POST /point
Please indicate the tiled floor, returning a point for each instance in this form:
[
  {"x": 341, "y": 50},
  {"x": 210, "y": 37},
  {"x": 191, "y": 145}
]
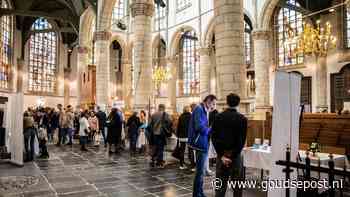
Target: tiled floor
[{"x": 72, "y": 173}]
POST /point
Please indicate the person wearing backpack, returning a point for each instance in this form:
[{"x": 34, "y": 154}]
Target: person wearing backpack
[{"x": 160, "y": 128}]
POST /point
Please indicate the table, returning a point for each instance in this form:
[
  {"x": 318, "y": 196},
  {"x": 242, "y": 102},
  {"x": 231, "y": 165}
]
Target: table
[{"x": 261, "y": 159}]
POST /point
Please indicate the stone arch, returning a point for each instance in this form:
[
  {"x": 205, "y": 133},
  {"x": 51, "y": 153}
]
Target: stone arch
[
  {"x": 208, "y": 33},
  {"x": 85, "y": 26},
  {"x": 174, "y": 43},
  {"x": 250, "y": 17},
  {"x": 105, "y": 15},
  {"x": 267, "y": 14},
  {"x": 122, "y": 43}
]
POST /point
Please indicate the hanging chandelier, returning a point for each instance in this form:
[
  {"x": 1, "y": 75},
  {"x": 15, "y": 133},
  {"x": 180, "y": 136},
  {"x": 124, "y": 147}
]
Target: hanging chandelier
[
  {"x": 311, "y": 41},
  {"x": 161, "y": 74}
]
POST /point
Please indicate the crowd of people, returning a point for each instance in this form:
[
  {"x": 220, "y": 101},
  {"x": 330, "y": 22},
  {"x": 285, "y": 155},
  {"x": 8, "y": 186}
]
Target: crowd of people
[{"x": 206, "y": 133}]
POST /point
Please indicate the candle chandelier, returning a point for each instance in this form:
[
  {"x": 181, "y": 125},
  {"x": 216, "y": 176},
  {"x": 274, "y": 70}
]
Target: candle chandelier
[
  {"x": 311, "y": 41},
  {"x": 161, "y": 74}
]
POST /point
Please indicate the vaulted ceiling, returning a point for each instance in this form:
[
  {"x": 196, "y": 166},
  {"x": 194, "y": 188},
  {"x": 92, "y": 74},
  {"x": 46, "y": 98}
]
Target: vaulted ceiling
[
  {"x": 315, "y": 5},
  {"x": 65, "y": 13}
]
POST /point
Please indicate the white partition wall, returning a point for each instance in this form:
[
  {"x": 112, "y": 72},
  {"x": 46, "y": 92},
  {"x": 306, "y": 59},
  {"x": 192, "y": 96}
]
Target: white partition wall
[
  {"x": 14, "y": 127},
  {"x": 285, "y": 125}
]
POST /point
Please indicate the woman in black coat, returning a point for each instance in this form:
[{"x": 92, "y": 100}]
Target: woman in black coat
[
  {"x": 133, "y": 125},
  {"x": 181, "y": 133},
  {"x": 115, "y": 125}
]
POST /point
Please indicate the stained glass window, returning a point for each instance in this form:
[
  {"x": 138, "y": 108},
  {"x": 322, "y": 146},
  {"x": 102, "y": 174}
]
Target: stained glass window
[
  {"x": 247, "y": 43},
  {"x": 285, "y": 18},
  {"x": 160, "y": 18},
  {"x": 182, "y": 4},
  {"x": 189, "y": 64},
  {"x": 42, "y": 57},
  {"x": 5, "y": 47},
  {"x": 118, "y": 13}
]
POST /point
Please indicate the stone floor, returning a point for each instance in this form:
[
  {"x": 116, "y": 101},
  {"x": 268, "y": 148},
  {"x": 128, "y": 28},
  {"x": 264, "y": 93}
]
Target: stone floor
[{"x": 72, "y": 173}]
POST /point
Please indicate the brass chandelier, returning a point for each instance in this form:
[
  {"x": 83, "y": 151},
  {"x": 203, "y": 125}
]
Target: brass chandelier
[{"x": 311, "y": 41}]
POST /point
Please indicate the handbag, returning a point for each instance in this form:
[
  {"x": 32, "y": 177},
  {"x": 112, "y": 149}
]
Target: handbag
[{"x": 177, "y": 152}]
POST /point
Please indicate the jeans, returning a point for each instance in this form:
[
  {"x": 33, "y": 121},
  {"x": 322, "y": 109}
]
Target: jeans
[
  {"x": 191, "y": 156},
  {"x": 29, "y": 136},
  {"x": 70, "y": 135},
  {"x": 224, "y": 173},
  {"x": 83, "y": 141},
  {"x": 62, "y": 133},
  {"x": 159, "y": 143},
  {"x": 133, "y": 140},
  {"x": 198, "y": 179}
]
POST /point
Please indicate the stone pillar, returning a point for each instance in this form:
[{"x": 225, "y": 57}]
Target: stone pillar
[
  {"x": 205, "y": 67},
  {"x": 173, "y": 63},
  {"x": 102, "y": 53},
  {"x": 127, "y": 84},
  {"x": 229, "y": 31},
  {"x": 262, "y": 63},
  {"x": 19, "y": 84},
  {"x": 321, "y": 84},
  {"x": 83, "y": 59},
  {"x": 142, "y": 11},
  {"x": 67, "y": 80}
]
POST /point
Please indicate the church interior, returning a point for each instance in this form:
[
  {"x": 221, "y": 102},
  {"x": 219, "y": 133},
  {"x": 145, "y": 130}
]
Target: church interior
[{"x": 288, "y": 60}]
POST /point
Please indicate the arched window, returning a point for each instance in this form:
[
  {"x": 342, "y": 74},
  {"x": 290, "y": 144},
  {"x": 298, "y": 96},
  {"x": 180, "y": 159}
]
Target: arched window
[
  {"x": 286, "y": 18},
  {"x": 42, "y": 57},
  {"x": 159, "y": 18},
  {"x": 116, "y": 64},
  {"x": 189, "y": 64},
  {"x": 5, "y": 47},
  {"x": 247, "y": 41},
  {"x": 118, "y": 13}
]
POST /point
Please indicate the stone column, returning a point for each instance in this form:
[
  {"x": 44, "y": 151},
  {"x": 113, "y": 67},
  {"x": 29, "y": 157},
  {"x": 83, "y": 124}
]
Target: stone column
[
  {"x": 19, "y": 84},
  {"x": 102, "y": 68},
  {"x": 83, "y": 59},
  {"x": 142, "y": 11},
  {"x": 127, "y": 84},
  {"x": 229, "y": 30},
  {"x": 67, "y": 80},
  {"x": 321, "y": 84},
  {"x": 205, "y": 69},
  {"x": 173, "y": 63},
  {"x": 262, "y": 63}
]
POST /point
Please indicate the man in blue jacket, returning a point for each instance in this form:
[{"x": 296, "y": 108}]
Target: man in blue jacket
[{"x": 198, "y": 139}]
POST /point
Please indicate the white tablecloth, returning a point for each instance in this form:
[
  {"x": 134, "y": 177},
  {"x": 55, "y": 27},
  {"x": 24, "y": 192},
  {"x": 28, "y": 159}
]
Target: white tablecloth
[
  {"x": 257, "y": 158},
  {"x": 261, "y": 159}
]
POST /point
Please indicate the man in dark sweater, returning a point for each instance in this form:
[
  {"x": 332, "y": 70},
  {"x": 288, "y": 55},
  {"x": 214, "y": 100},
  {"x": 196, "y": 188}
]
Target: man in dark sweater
[{"x": 229, "y": 135}]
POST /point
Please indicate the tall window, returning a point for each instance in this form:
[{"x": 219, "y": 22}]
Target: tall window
[
  {"x": 247, "y": 42},
  {"x": 182, "y": 4},
  {"x": 347, "y": 26},
  {"x": 287, "y": 18},
  {"x": 42, "y": 57},
  {"x": 160, "y": 18},
  {"x": 118, "y": 13},
  {"x": 189, "y": 64},
  {"x": 5, "y": 47}
]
